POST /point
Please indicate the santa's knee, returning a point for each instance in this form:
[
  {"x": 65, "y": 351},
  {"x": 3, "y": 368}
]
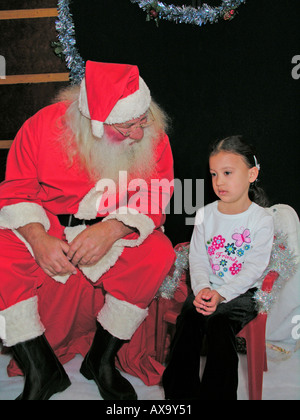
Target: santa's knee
[
  {"x": 19, "y": 271},
  {"x": 162, "y": 251}
]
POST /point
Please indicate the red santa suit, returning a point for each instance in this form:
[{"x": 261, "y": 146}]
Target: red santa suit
[{"x": 40, "y": 185}]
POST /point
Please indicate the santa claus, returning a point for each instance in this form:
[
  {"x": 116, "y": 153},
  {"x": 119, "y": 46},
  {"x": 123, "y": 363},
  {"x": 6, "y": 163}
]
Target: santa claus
[{"x": 66, "y": 216}]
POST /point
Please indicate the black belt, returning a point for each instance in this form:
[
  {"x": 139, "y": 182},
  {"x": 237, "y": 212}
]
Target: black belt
[{"x": 69, "y": 220}]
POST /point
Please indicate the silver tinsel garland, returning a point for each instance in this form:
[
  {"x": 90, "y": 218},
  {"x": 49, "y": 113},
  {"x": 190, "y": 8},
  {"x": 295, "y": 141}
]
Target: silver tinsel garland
[
  {"x": 188, "y": 14},
  {"x": 171, "y": 283},
  {"x": 66, "y": 36},
  {"x": 282, "y": 260}
]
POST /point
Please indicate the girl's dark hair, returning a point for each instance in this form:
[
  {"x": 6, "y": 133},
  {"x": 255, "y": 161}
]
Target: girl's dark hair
[{"x": 238, "y": 146}]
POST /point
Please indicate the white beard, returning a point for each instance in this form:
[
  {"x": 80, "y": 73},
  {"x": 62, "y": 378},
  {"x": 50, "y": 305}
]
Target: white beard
[
  {"x": 136, "y": 158},
  {"x": 104, "y": 158}
]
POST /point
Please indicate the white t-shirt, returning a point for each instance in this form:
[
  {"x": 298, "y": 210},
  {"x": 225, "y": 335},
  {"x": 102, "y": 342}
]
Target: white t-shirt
[{"x": 229, "y": 253}]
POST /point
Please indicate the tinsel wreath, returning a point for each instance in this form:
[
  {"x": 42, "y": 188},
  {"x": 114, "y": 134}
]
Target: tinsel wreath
[
  {"x": 187, "y": 14},
  {"x": 282, "y": 261},
  {"x": 156, "y": 10}
]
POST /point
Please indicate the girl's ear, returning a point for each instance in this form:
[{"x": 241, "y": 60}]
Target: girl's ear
[{"x": 253, "y": 174}]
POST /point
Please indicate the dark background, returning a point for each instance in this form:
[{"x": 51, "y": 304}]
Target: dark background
[{"x": 214, "y": 81}]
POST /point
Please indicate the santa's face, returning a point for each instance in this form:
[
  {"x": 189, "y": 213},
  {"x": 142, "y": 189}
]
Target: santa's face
[
  {"x": 126, "y": 147},
  {"x": 131, "y": 130}
]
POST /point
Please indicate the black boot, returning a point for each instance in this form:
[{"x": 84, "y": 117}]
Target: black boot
[
  {"x": 44, "y": 374},
  {"x": 99, "y": 365}
]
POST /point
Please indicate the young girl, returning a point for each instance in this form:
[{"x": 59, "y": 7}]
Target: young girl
[{"x": 229, "y": 251}]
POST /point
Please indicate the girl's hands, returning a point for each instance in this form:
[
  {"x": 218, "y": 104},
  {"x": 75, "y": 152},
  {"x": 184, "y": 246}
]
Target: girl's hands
[{"x": 207, "y": 301}]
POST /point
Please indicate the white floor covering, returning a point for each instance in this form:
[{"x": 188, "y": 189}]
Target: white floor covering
[{"x": 281, "y": 382}]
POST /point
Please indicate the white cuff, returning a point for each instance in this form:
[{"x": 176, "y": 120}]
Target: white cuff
[
  {"x": 132, "y": 218},
  {"x": 87, "y": 209},
  {"x": 21, "y": 214},
  {"x": 120, "y": 318},
  {"x": 20, "y": 322}
]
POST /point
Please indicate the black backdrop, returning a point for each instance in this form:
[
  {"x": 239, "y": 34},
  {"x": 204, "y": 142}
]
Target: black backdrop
[{"x": 217, "y": 80}]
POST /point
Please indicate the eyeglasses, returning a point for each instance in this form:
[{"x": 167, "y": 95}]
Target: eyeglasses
[{"x": 127, "y": 129}]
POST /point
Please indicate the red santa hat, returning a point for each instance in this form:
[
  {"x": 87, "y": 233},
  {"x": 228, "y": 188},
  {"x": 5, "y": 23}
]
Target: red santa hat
[{"x": 112, "y": 94}]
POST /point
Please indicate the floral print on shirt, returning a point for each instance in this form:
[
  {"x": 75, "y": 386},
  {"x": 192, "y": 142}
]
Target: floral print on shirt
[{"x": 228, "y": 256}]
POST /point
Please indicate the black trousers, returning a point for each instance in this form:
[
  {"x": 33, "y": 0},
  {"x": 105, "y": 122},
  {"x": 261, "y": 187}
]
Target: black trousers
[{"x": 181, "y": 378}]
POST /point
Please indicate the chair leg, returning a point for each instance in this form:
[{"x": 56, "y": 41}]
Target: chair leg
[
  {"x": 161, "y": 329},
  {"x": 161, "y": 349},
  {"x": 255, "y": 374},
  {"x": 256, "y": 356}
]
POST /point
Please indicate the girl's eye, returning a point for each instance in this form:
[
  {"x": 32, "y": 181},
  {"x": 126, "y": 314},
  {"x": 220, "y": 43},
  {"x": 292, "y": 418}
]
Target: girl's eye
[
  {"x": 213, "y": 174},
  {"x": 227, "y": 173}
]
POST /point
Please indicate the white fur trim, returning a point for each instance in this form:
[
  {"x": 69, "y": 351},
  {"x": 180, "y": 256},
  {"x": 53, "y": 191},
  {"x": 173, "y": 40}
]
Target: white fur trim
[
  {"x": 134, "y": 219},
  {"x": 21, "y": 214},
  {"x": 62, "y": 278},
  {"x": 82, "y": 100},
  {"x": 133, "y": 106},
  {"x": 97, "y": 128},
  {"x": 120, "y": 318},
  {"x": 2, "y": 327},
  {"x": 87, "y": 209},
  {"x": 20, "y": 322}
]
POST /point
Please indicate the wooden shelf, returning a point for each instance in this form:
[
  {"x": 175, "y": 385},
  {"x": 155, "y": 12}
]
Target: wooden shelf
[
  {"x": 5, "y": 144},
  {"x": 28, "y": 13},
  {"x": 35, "y": 78}
]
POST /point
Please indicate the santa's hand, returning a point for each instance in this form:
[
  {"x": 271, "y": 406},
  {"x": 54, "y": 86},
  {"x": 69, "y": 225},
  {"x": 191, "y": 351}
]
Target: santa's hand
[
  {"x": 94, "y": 242},
  {"x": 49, "y": 252}
]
